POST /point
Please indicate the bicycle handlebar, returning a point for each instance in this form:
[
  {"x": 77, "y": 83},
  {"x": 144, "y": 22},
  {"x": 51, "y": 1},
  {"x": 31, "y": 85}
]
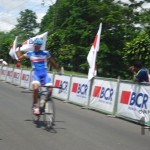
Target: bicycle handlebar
[{"x": 50, "y": 86}]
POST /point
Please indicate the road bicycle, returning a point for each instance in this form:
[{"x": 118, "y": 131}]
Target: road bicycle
[{"x": 46, "y": 106}]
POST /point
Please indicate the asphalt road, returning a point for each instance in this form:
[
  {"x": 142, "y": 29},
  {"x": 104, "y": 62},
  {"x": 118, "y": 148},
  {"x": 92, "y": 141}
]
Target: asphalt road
[{"x": 75, "y": 128}]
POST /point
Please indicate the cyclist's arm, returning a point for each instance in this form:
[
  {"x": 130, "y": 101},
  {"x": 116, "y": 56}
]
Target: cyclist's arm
[
  {"x": 54, "y": 64},
  {"x": 19, "y": 55}
]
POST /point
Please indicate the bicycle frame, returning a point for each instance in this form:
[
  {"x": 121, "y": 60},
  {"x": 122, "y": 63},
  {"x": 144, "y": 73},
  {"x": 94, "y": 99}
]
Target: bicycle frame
[{"x": 48, "y": 110}]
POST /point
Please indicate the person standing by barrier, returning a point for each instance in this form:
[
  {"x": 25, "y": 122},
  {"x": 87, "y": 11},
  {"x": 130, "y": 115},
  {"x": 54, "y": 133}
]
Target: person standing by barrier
[
  {"x": 18, "y": 64},
  {"x": 38, "y": 60},
  {"x": 140, "y": 73},
  {"x": 3, "y": 63}
]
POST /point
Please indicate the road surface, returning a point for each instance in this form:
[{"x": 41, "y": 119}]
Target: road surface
[{"x": 75, "y": 128}]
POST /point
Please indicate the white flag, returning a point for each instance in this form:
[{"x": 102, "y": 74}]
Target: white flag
[
  {"x": 12, "y": 51},
  {"x": 28, "y": 45},
  {"x": 91, "y": 58}
]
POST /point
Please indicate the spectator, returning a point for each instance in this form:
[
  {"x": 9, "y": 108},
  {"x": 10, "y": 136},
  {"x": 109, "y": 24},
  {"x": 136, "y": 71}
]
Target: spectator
[
  {"x": 18, "y": 64},
  {"x": 3, "y": 63},
  {"x": 140, "y": 73}
]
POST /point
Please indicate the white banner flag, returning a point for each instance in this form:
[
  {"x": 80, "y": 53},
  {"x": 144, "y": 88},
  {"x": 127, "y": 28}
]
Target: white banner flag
[
  {"x": 28, "y": 45},
  {"x": 91, "y": 58},
  {"x": 12, "y": 51}
]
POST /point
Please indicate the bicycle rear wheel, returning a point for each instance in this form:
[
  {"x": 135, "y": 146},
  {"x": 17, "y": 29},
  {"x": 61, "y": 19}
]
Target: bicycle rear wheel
[{"x": 49, "y": 115}]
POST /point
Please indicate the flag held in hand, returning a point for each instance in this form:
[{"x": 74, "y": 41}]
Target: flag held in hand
[
  {"x": 28, "y": 44},
  {"x": 12, "y": 51}
]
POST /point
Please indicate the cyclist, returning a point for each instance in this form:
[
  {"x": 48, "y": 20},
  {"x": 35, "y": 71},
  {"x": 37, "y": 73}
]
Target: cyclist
[{"x": 40, "y": 76}]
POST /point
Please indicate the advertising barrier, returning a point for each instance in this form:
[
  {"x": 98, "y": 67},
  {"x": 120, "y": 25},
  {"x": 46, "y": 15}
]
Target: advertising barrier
[
  {"x": 25, "y": 78},
  {"x": 62, "y": 81},
  {"x": 30, "y": 85},
  {"x": 79, "y": 91},
  {"x": 51, "y": 75},
  {"x": 103, "y": 95},
  {"x": 0, "y": 71},
  {"x": 123, "y": 99},
  {"x": 134, "y": 102},
  {"x": 3, "y": 73},
  {"x": 9, "y": 76},
  {"x": 17, "y": 76}
]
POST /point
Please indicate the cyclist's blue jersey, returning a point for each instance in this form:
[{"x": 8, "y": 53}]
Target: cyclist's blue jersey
[{"x": 38, "y": 59}]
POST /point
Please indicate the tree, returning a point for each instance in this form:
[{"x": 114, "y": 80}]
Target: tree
[
  {"x": 27, "y": 24},
  {"x": 78, "y": 21},
  {"x": 72, "y": 26},
  {"x": 5, "y": 45},
  {"x": 26, "y": 28},
  {"x": 138, "y": 49}
]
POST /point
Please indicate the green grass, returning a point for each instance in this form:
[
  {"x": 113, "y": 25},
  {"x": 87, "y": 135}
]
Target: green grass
[{"x": 74, "y": 73}]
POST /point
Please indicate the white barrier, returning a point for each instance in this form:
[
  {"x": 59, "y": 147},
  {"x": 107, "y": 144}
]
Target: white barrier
[
  {"x": 51, "y": 75},
  {"x": 103, "y": 95},
  {"x": 25, "y": 78},
  {"x": 134, "y": 102},
  {"x": 0, "y": 71},
  {"x": 79, "y": 91},
  {"x": 9, "y": 76},
  {"x": 16, "y": 76},
  {"x": 121, "y": 98},
  {"x": 62, "y": 81},
  {"x": 3, "y": 73}
]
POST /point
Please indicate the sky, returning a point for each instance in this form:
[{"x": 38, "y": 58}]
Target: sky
[{"x": 10, "y": 9}]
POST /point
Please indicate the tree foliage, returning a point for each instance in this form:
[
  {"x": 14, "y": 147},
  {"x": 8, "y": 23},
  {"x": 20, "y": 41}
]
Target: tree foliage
[
  {"x": 138, "y": 49},
  {"x": 25, "y": 28},
  {"x": 76, "y": 23},
  {"x": 27, "y": 25},
  {"x": 5, "y": 44}
]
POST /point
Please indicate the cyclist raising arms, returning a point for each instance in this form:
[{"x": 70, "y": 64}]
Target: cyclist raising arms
[{"x": 40, "y": 76}]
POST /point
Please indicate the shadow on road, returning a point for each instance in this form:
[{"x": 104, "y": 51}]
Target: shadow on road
[{"x": 40, "y": 124}]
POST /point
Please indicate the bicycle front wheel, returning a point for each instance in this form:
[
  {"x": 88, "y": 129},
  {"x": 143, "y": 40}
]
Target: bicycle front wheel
[{"x": 49, "y": 115}]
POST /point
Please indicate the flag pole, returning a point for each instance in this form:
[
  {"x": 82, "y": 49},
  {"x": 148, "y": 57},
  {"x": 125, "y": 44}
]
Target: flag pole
[
  {"x": 91, "y": 58},
  {"x": 100, "y": 30}
]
